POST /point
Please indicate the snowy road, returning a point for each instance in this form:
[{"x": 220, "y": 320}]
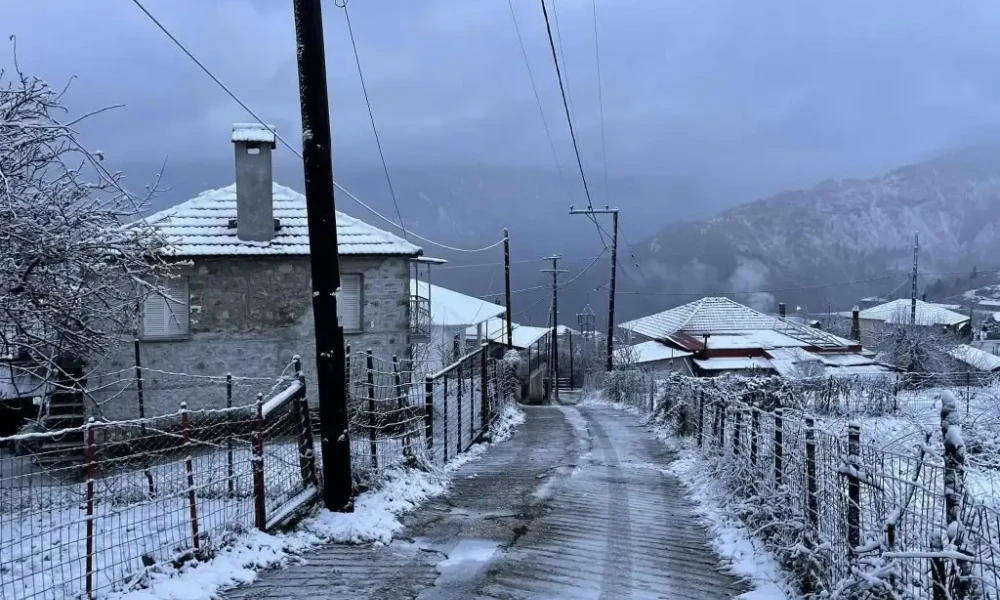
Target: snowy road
[{"x": 574, "y": 506}]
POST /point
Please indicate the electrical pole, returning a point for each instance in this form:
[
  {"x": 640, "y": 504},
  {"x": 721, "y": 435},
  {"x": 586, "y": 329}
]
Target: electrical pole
[
  {"x": 913, "y": 280},
  {"x": 506, "y": 275},
  {"x": 317, "y": 158},
  {"x": 555, "y": 270},
  {"x": 614, "y": 274}
]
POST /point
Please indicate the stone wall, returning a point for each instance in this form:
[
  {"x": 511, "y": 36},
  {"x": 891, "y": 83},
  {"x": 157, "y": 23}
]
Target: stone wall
[{"x": 250, "y": 316}]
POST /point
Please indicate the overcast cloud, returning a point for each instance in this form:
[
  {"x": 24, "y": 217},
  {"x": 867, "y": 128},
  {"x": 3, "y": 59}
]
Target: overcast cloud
[{"x": 765, "y": 93}]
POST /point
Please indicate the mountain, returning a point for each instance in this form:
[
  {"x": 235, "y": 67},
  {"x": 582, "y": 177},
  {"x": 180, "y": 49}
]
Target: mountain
[{"x": 840, "y": 231}]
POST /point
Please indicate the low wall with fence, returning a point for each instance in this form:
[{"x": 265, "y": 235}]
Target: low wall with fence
[{"x": 846, "y": 517}]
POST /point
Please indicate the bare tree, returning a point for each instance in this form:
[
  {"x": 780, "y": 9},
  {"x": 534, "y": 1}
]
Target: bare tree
[
  {"x": 74, "y": 264},
  {"x": 915, "y": 348}
]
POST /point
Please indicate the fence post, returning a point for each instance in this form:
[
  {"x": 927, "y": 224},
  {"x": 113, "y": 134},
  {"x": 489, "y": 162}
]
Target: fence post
[
  {"x": 853, "y": 487},
  {"x": 307, "y": 455},
  {"x": 484, "y": 410},
  {"x": 140, "y": 396},
  {"x": 230, "y": 467},
  {"x": 722, "y": 426},
  {"x": 189, "y": 468},
  {"x": 429, "y": 416},
  {"x": 402, "y": 405},
  {"x": 812, "y": 497},
  {"x": 260, "y": 513},
  {"x": 701, "y": 417},
  {"x": 954, "y": 480},
  {"x": 372, "y": 419},
  {"x": 90, "y": 468},
  {"x": 737, "y": 427},
  {"x": 348, "y": 385},
  {"x": 444, "y": 430},
  {"x": 778, "y": 458},
  {"x": 472, "y": 402},
  {"x": 754, "y": 435},
  {"x": 458, "y": 410}
]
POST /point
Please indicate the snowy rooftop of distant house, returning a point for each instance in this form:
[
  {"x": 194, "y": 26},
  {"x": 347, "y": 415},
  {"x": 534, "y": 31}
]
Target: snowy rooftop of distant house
[
  {"x": 200, "y": 227},
  {"x": 451, "y": 308},
  {"x": 524, "y": 335},
  {"x": 730, "y": 325},
  {"x": 974, "y": 357},
  {"x": 253, "y": 132},
  {"x": 707, "y": 315},
  {"x": 647, "y": 352},
  {"x": 898, "y": 312}
]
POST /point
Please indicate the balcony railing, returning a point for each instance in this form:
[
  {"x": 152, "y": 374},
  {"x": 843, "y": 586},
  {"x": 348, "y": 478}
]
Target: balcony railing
[{"x": 420, "y": 318}]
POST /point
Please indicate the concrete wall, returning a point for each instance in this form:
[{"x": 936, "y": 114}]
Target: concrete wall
[{"x": 249, "y": 317}]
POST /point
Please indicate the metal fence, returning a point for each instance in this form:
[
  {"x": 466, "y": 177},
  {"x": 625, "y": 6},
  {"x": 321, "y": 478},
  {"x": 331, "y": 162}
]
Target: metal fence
[
  {"x": 97, "y": 508},
  {"x": 847, "y": 518}
]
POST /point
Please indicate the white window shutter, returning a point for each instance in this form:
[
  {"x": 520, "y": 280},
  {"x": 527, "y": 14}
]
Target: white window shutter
[
  {"x": 165, "y": 311},
  {"x": 154, "y": 310},
  {"x": 350, "y": 302}
]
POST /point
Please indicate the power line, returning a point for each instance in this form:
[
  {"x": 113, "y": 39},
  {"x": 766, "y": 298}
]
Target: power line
[
  {"x": 600, "y": 101},
  {"x": 569, "y": 119},
  {"x": 534, "y": 89},
  {"x": 285, "y": 143},
  {"x": 371, "y": 116},
  {"x": 513, "y": 262},
  {"x": 562, "y": 56}
]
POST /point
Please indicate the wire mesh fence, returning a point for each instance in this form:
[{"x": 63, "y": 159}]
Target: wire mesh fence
[
  {"x": 846, "y": 517},
  {"x": 97, "y": 508}
]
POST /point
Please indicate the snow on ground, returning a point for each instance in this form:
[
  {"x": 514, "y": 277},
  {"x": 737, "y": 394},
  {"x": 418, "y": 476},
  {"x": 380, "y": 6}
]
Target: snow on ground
[
  {"x": 374, "y": 520},
  {"x": 746, "y": 556}
]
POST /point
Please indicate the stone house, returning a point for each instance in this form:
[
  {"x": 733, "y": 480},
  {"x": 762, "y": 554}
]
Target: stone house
[{"x": 242, "y": 302}]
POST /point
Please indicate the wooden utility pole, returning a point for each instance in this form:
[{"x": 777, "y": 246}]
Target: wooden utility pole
[
  {"x": 555, "y": 270},
  {"x": 317, "y": 161},
  {"x": 913, "y": 280},
  {"x": 614, "y": 274},
  {"x": 506, "y": 275}
]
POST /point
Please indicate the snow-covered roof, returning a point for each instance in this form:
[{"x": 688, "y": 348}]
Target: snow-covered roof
[
  {"x": 898, "y": 312},
  {"x": 707, "y": 315},
  {"x": 563, "y": 330},
  {"x": 647, "y": 352},
  {"x": 524, "y": 335},
  {"x": 974, "y": 357},
  {"x": 200, "y": 227},
  {"x": 872, "y": 369},
  {"x": 253, "y": 132},
  {"x": 793, "y": 362},
  {"x": 451, "y": 308},
  {"x": 733, "y": 364}
]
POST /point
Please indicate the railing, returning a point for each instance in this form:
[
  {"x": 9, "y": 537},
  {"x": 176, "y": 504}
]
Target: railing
[
  {"x": 462, "y": 400},
  {"x": 420, "y": 318},
  {"x": 89, "y": 510}
]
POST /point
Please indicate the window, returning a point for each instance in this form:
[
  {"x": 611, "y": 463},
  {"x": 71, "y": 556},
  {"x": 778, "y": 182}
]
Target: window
[
  {"x": 165, "y": 311},
  {"x": 350, "y": 302}
]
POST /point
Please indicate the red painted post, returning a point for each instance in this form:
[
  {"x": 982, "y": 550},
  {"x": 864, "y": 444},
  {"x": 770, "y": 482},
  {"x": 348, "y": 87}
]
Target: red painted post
[
  {"x": 260, "y": 512},
  {"x": 189, "y": 467},
  {"x": 91, "y": 467}
]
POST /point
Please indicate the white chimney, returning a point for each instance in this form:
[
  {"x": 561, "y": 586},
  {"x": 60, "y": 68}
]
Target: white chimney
[{"x": 253, "y": 144}]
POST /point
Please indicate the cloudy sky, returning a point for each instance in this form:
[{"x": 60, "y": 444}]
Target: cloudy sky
[{"x": 765, "y": 93}]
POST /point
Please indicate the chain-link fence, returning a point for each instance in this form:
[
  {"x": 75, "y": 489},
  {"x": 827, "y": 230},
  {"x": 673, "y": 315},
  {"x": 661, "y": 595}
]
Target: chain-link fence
[
  {"x": 95, "y": 508},
  {"x": 847, "y": 518}
]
